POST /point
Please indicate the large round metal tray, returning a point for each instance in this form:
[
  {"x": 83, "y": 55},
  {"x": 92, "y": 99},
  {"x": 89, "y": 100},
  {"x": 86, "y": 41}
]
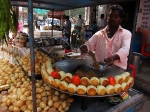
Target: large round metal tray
[
  {"x": 85, "y": 95},
  {"x": 70, "y": 65}
]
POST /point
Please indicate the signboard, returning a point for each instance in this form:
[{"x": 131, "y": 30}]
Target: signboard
[
  {"x": 145, "y": 10},
  {"x": 40, "y": 17},
  {"x": 56, "y": 13},
  {"x": 143, "y": 21}
]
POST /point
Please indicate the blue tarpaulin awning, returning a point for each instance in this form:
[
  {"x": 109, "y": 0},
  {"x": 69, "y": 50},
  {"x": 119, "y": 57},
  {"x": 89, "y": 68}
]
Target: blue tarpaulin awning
[
  {"x": 61, "y": 5},
  {"x": 40, "y": 11}
]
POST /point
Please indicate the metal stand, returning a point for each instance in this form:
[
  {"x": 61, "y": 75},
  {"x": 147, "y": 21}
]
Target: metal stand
[{"x": 84, "y": 103}]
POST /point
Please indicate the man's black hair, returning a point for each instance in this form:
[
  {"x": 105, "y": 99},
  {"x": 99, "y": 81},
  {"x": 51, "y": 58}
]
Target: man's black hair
[
  {"x": 66, "y": 17},
  {"x": 119, "y": 8},
  {"x": 102, "y": 15}
]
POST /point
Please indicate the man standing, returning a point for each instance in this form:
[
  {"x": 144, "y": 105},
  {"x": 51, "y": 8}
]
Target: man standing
[
  {"x": 80, "y": 21},
  {"x": 67, "y": 28},
  {"x": 111, "y": 44},
  {"x": 101, "y": 22}
]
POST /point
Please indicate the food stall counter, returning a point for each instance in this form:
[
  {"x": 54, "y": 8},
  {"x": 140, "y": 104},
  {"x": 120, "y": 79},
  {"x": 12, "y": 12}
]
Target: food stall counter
[{"x": 39, "y": 33}]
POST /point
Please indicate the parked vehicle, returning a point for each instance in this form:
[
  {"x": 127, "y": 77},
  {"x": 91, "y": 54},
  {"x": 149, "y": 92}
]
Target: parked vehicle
[{"x": 48, "y": 22}]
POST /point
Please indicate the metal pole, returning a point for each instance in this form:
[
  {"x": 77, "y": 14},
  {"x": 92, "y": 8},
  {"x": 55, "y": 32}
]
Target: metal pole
[
  {"x": 31, "y": 39},
  {"x": 133, "y": 30},
  {"x": 52, "y": 21}
]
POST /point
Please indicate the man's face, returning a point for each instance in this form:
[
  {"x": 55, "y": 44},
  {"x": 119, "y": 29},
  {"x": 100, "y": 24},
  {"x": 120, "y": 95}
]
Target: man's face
[{"x": 114, "y": 18}]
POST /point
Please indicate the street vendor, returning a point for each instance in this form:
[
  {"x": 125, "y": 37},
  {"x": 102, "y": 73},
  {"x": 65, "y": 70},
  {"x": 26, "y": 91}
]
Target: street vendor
[{"x": 111, "y": 44}]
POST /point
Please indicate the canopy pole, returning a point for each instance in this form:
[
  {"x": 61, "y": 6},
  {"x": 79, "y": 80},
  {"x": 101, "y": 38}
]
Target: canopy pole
[
  {"x": 133, "y": 30},
  {"x": 32, "y": 62},
  {"x": 52, "y": 21}
]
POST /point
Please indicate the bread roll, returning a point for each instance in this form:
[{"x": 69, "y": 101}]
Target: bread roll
[
  {"x": 117, "y": 88},
  {"x": 55, "y": 83},
  {"x": 62, "y": 74},
  {"x": 63, "y": 85},
  {"x": 72, "y": 88},
  {"x": 68, "y": 77},
  {"x": 91, "y": 90},
  {"x": 85, "y": 81},
  {"x": 45, "y": 75},
  {"x": 110, "y": 89},
  {"x": 81, "y": 89},
  {"x": 43, "y": 72},
  {"x": 127, "y": 75},
  {"x": 119, "y": 79},
  {"x": 49, "y": 67},
  {"x": 124, "y": 86},
  {"x": 124, "y": 77},
  {"x": 103, "y": 81},
  {"x": 94, "y": 81},
  {"x": 101, "y": 90},
  {"x": 49, "y": 79},
  {"x": 130, "y": 82}
]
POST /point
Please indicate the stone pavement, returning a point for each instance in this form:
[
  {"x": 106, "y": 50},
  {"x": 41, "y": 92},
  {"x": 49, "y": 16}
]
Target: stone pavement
[
  {"x": 142, "y": 84},
  {"x": 146, "y": 107},
  {"x": 142, "y": 80}
]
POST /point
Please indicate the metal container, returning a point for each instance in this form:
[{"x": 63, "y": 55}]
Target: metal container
[{"x": 136, "y": 60}]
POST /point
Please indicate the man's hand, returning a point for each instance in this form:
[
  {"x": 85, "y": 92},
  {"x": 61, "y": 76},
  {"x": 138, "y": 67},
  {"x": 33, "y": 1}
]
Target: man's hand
[
  {"x": 83, "y": 49},
  {"x": 110, "y": 60}
]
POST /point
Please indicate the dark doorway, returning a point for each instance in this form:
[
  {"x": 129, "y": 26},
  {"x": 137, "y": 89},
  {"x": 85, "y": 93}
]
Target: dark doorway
[{"x": 129, "y": 9}]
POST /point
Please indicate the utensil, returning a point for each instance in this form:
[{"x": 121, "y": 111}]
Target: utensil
[{"x": 103, "y": 67}]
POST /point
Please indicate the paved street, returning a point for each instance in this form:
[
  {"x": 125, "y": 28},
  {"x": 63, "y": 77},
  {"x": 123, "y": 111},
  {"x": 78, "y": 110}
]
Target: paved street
[
  {"x": 142, "y": 83},
  {"x": 146, "y": 107}
]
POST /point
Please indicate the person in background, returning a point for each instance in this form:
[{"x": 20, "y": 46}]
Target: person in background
[
  {"x": 80, "y": 22},
  {"x": 111, "y": 44},
  {"x": 20, "y": 26},
  {"x": 94, "y": 27},
  {"x": 67, "y": 28},
  {"x": 101, "y": 22},
  {"x": 38, "y": 24}
]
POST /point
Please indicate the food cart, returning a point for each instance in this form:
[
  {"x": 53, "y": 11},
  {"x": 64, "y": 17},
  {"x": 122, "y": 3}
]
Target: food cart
[{"x": 87, "y": 103}]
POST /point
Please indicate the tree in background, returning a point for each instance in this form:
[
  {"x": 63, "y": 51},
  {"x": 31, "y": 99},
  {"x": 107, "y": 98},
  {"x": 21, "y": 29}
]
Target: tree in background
[{"x": 75, "y": 12}]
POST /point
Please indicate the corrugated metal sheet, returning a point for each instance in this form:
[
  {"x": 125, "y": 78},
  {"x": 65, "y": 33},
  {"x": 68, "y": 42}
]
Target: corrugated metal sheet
[{"x": 60, "y": 5}]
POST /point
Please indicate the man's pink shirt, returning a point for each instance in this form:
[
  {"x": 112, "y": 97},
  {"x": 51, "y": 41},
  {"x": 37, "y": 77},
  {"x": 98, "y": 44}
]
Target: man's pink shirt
[{"x": 105, "y": 47}]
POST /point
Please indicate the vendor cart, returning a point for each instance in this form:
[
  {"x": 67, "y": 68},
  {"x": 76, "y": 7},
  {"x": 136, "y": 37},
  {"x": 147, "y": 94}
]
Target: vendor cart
[{"x": 92, "y": 105}]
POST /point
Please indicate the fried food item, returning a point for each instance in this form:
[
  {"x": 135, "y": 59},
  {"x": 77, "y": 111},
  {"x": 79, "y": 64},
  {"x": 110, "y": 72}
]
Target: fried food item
[
  {"x": 118, "y": 88},
  {"x": 91, "y": 90},
  {"x": 130, "y": 82},
  {"x": 63, "y": 85},
  {"x": 103, "y": 81},
  {"x": 94, "y": 81},
  {"x": 110, "y": 89},
  {"x": 101, "y": 90},
  {"x": 119, "y": 79},
  {"x": 124, "y": 86},
  {"x": 87, "y": 71},
  {"x": 72, "y": 88},
  {"x": 81, "y": 89},
  {"x": 68, "y": 77},
  {"x": 85, "y": 81}
]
